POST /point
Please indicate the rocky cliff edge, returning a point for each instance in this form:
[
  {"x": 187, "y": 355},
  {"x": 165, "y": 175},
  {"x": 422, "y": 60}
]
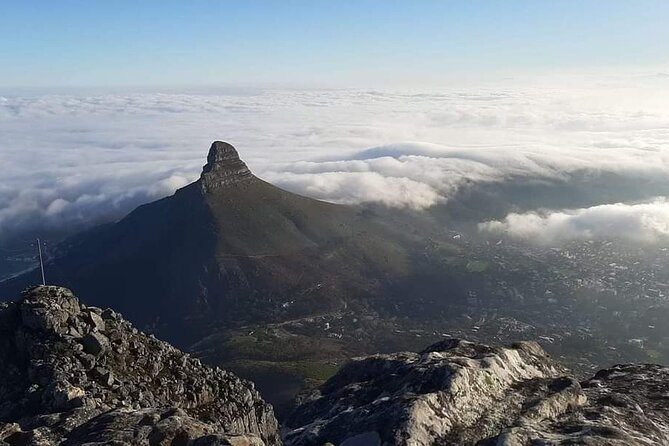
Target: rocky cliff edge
[
  {"x": 460, "y": 393},
  {"x": 72, "y": 374}
]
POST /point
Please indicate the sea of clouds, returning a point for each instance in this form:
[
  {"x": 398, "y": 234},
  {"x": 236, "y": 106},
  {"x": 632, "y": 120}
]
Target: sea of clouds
[{"x": 73, "y": 159}]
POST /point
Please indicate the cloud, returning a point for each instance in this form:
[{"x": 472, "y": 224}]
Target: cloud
[
  {"x": 444, "y": 171},
  {"x": 359, "y": 187},
  {"x": 644, "y": 222},
  {"x": 70, "y": 160}
]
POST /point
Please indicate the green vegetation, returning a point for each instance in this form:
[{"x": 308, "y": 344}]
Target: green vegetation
[
  {"x": 654, "y": 355},
  {"x": 276, "y": 345},
  {"x": 477, "y": 266},
  {"x": 316, "y": 372},
  {"x": 488, "y": 380}
]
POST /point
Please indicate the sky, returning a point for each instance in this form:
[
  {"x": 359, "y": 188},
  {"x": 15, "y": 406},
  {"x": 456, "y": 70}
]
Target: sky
[
  {"x": 361, "y": 43},
  {"x": 108, "y": 105}
]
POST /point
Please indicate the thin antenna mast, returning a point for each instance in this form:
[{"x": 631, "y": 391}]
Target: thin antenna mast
[{"x": 41, "y": 263}]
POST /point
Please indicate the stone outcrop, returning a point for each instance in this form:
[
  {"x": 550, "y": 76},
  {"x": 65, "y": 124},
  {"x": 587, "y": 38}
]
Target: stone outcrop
[
  {"x": 223, "y": 168},
  {"x": 72, "y": 374},
  {"x": 460, "y": 393},
  {"x": 77, "y": 375},
  {"x": 625, "y": 405}
]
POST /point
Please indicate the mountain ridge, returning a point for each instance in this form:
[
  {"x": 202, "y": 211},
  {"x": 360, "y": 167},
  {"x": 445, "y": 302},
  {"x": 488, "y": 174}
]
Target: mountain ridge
[{"x": 462, "y": 393}]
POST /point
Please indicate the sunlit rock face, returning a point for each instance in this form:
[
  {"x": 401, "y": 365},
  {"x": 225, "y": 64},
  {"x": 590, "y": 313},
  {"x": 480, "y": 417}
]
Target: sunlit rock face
[{"x": 460, "y": 393}]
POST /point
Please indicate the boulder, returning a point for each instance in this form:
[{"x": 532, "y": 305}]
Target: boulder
[
  {"x": 49, "y": 309},
  {"x": 95, "y": 320},
  {"x": 95, "y": 343}
]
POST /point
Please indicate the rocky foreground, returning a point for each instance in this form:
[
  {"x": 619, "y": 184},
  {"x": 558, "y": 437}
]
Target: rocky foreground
[
  {"x": 460, "y": 393},
  {"x": 73, "y": 375},
  {"x": 77, "y": 375}
]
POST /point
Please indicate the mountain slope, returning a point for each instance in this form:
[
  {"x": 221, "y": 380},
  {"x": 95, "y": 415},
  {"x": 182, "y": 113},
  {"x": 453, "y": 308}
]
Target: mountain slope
[{"x": 228, "y": 248}]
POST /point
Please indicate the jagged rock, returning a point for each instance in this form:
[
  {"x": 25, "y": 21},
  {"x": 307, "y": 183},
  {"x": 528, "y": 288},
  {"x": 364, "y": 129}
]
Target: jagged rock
[
  {"x": 95, "y": 343},
  {"x": 87, "y": 361},
  {"x": 154, "y": 427},
  {"x": 49, "y": 312},
  {"x": 461, "y": 393},
  {"x": 7, "y": 431},
  {"x": 64, "y": 396},
  {"x": 95, "y": 320},
  {"x": 105, "y": 376},
  {"x": 224, "y": 167},
  {"x": 625, "y": 405},
  {"x": 56, "y": 388}
]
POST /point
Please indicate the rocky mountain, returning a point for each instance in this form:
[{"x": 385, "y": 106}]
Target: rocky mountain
[
  {"x": 229, "y": 248},
  {"x": 72, "y": 374},
  {"x": 461, "y": 393},
  {"x": 283, "y": 289}
]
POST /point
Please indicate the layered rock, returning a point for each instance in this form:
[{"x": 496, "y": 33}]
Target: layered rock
[
  {"x": 71, "y": 374},
  {"x": 625, "y": 405},
  {"x": 223, "y": 168},
  {"x": 460, "y": 393}
]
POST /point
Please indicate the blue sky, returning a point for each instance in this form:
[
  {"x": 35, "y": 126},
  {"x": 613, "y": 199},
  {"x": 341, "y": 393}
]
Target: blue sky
[{"x": 199, "y": 43}]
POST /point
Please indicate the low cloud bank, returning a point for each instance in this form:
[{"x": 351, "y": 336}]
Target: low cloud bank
[
  {"x": 419, "y": 175},
  {"x": 76, "y": 159},
  {"x": 644, "y": 222}
]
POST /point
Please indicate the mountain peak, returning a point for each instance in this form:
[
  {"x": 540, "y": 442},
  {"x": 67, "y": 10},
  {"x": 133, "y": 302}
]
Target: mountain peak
[
  {"x": 222, "y": 151},
  {"x": 224, "y": 167}
]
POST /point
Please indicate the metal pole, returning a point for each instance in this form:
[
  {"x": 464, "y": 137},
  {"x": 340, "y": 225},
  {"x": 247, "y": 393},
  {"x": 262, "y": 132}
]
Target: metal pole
[{"x": 41, "y": 263}]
